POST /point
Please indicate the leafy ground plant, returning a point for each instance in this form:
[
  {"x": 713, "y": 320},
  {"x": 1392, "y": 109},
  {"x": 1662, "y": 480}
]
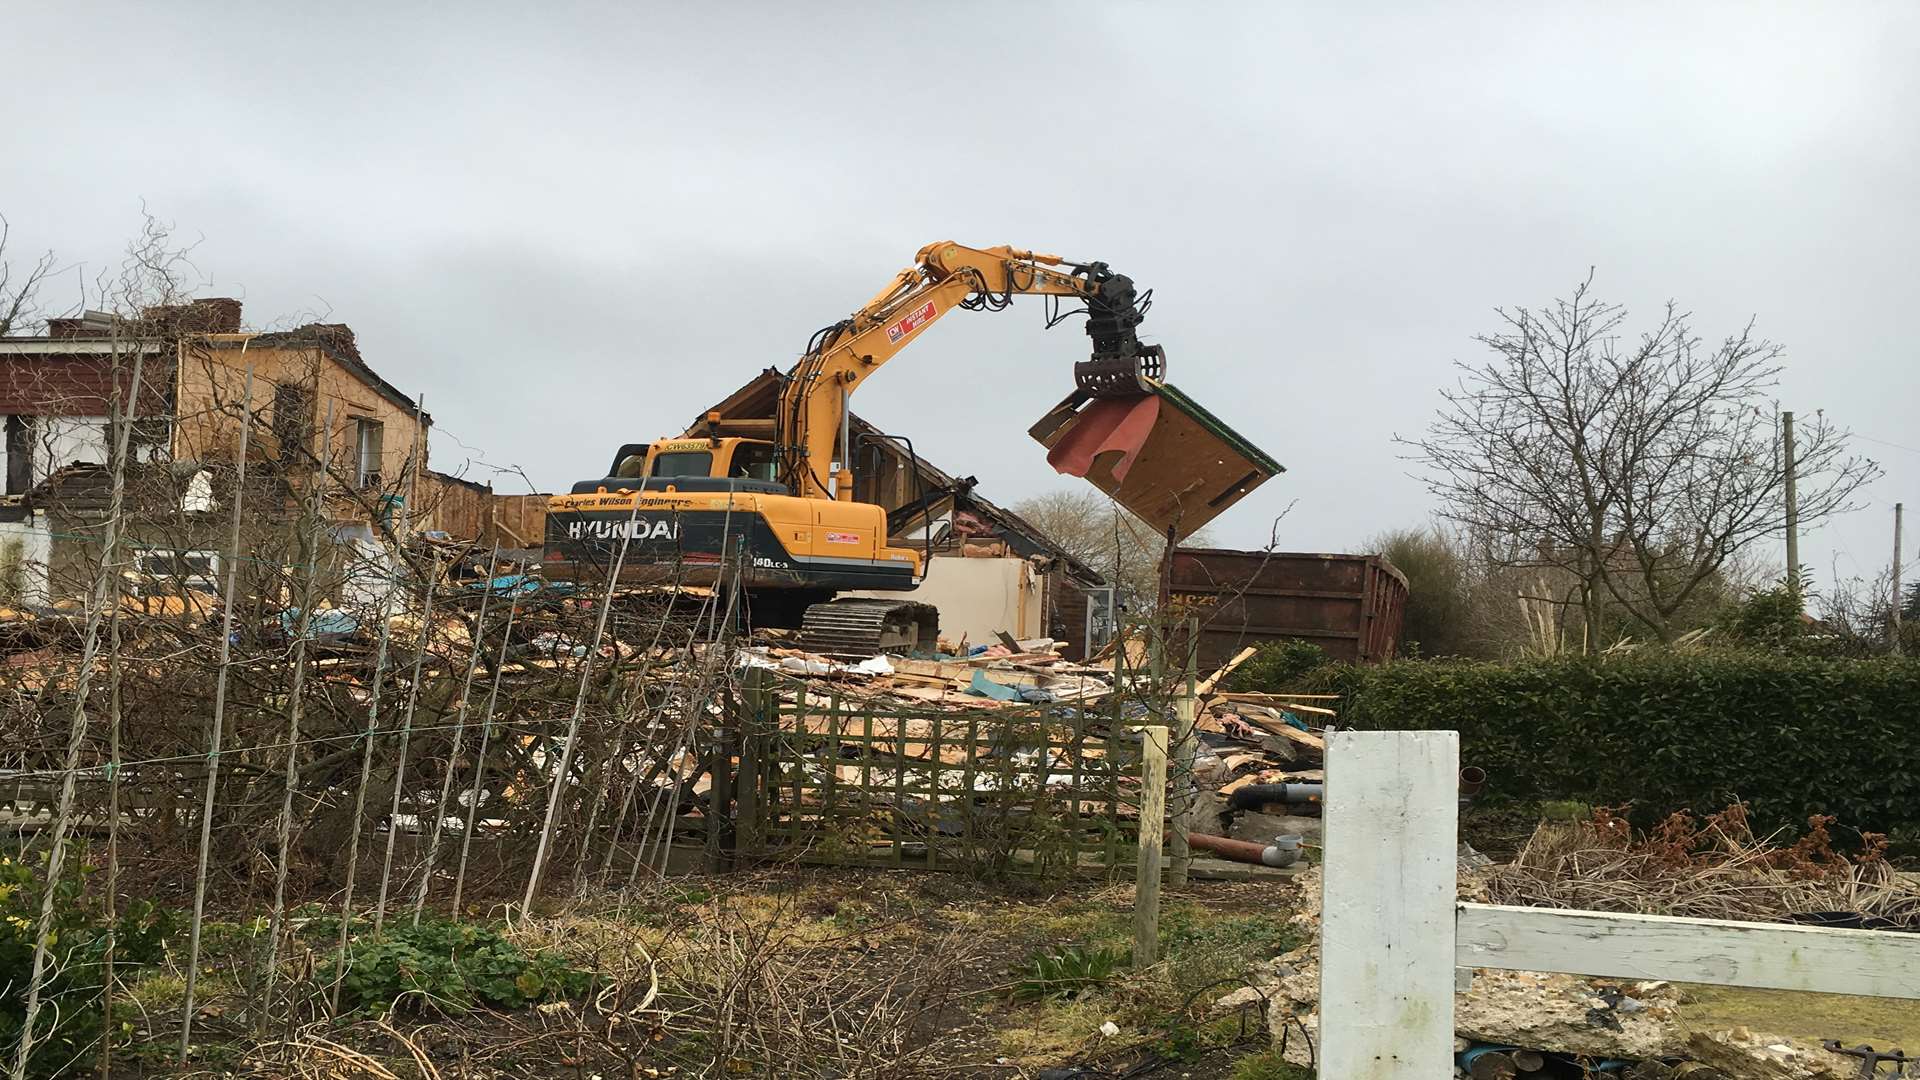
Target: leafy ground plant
[
  {"x": 67, "y": 1031},
  {"x": 453, "y": 966},
  {"x": 1067, "y": 972}
]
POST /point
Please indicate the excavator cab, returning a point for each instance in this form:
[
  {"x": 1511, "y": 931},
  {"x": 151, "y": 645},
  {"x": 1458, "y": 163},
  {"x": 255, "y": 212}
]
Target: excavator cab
[
  {"x": 677, "y": 461},
  {"x": 675, "y": 511}
]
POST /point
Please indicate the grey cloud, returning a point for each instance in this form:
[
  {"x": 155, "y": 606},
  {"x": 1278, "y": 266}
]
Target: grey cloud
[{"x": 574, "y": 225}]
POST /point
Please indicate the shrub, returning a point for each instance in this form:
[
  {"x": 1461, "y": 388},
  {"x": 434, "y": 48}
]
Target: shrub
[
  {"x": 1768, "y": 619},
  {"x": 1792, "y": 736},
  {"x": 68, "y": 1029},
  {"x": 1275, "y": 666},
  {"x": 455, "y": 966}
]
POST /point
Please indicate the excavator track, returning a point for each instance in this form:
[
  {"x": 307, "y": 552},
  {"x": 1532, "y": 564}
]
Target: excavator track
[{"x": 858, "y": 627}]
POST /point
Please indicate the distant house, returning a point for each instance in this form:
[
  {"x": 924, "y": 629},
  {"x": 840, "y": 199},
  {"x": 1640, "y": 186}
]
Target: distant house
[
  {"x": 306, "y": 390},
  {"x": 991, "y": 570}
]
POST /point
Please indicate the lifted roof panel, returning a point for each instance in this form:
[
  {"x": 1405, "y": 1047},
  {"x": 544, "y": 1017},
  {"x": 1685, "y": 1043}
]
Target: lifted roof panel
[{"x": 1170, "y": 462}]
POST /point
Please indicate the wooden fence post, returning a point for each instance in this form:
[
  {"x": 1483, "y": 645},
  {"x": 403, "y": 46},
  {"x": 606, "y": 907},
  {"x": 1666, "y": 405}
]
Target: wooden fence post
[
  {"x": 1153, "y": 814},
  {"x": 752, "y": 701},
  {"x": 720, "y": 798},
  {"x": 1186, "y": 795},
  {"x": 1387, "y": 905}
]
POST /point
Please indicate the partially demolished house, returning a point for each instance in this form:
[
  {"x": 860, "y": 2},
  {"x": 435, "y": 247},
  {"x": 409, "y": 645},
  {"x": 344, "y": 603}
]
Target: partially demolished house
[
  {"x": 310, "y": 388},
  {"x": 990, "y": 571}
]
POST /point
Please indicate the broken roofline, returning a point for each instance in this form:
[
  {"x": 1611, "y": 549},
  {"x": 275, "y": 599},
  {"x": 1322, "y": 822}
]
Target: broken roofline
[
  {"x": 312, "y": 336},
  {"x": 302, "y": 337}
]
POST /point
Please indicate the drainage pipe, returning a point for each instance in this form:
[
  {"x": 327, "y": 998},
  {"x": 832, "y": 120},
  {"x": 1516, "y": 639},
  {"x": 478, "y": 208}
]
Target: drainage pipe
[
  {"x": 1257, "y": 795},
  {"x": 1284, "y": 851}
]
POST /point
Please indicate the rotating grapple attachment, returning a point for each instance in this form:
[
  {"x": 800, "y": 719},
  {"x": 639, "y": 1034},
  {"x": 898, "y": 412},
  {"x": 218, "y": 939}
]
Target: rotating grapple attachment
[{"x": 1120, "y": 365}]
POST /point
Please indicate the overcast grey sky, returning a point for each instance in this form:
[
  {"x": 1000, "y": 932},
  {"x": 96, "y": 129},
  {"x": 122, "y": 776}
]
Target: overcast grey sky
[{"x": 571, "y": 226}]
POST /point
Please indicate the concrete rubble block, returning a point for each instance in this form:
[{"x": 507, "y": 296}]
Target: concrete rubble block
[
  {"x": 1570, "y": 1015},
  {"x": 1743, "y": 1055}
]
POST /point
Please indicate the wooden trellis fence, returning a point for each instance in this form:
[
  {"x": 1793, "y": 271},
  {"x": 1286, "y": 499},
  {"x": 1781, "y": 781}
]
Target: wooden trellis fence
[{"x": 1040, "y": 789}]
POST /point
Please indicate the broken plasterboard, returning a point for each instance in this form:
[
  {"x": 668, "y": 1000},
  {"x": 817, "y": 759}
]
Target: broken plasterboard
[{"x": 1163, "y": 457}]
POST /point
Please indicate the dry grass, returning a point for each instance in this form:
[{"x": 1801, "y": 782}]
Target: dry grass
[
  {"x": 1884, "y": 1023},
  {"x": 690, "y": 982},
  {"x": 1713, "y": 868}
]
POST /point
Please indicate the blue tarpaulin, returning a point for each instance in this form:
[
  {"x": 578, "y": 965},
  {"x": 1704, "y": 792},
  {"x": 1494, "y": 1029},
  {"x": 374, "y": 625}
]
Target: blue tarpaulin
[
  {"x": 328, "y": 624},
  {"x": 523, "y": 584},
  {"x": 986, "y": 687}
]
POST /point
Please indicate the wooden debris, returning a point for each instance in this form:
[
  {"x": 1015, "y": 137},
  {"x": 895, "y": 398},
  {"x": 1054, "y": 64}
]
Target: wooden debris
[{"x": 1207, "y": 684}]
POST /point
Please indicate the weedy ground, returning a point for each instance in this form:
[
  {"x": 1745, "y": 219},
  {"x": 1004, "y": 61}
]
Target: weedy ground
[
  {"x": 807, "y": 972},
  {"x": 786, "y": 972}
]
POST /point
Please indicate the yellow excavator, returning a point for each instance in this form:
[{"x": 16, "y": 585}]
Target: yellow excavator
[{"x": 781, "y": 509}]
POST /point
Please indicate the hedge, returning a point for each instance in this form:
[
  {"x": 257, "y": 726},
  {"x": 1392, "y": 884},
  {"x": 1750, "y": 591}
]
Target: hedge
[{"x": 1790, "y": 736}]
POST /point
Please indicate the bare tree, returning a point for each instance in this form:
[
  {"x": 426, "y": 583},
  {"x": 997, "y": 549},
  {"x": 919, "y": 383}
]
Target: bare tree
[
  {"x": 1095, "y": 530},
  {"x": 19, "y": 290},
  {"x": 1640, "y": 467}
]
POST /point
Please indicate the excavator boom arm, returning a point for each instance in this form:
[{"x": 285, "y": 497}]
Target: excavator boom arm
[{"x": 814, "y": 403}]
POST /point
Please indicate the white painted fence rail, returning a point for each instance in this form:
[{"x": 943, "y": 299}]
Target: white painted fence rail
[
  {"x": 1870, "y": 963},
  {"x": 1392, "y": 933}
]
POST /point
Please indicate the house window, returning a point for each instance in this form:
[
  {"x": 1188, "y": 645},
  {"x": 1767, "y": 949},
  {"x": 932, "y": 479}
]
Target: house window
[
  {"x": 19, "y": 454},
  {"x": 367, "y": 442},
  {"x": 292, "y": 421},
  {"x": 151, "y": 438},
  {"x": 148, "y": 438},
  {"x": 164, "y": 571},
  {"x": 1101, "y": 623}
]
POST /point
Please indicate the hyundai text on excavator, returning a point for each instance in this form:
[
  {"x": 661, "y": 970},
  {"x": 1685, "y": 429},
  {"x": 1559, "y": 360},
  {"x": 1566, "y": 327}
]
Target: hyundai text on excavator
[{"x": 781, "y": 508}]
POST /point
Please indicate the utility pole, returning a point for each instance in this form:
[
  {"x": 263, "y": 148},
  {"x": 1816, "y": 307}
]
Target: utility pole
[
  {"x": 1793, "y": 508},
  {"x": 1899, "y": 512}
]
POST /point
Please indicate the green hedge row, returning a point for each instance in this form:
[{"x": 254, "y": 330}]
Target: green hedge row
[{"x": 1791, "y": 736}]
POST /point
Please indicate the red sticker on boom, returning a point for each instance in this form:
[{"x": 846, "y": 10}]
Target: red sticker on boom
[{"x": 912, "y": 322}]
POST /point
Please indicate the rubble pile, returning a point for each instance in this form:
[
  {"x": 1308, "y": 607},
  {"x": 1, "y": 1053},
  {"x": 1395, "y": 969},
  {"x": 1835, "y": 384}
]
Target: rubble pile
[
  {"x": 1256, "y": 759},
  {"x": 993, "y": 677}
]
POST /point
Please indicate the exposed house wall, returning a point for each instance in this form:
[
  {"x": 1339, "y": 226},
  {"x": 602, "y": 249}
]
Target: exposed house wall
[
  {"x": 521, "y": 520},
  {"x": 455, "y": 506},
  {"x": 979, "y": 598},
  {"x": 26, "y": 549},
  {"x": 213, "y": 379},
  {"x": 37, "y": 445},
  {"x": 470, "y": 511}
]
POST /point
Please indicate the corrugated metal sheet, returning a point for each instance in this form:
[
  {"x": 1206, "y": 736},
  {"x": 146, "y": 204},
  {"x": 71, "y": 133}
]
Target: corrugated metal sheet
[{"x": 1349, "y": 605}]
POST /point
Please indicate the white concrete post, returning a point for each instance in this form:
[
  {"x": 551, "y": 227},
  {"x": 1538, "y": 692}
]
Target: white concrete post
[{"x": 1387, "y": 905}]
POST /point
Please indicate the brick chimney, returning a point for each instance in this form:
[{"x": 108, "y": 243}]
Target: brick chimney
[
  {"x": 221, "y": 314},
  {"x": 213, "y": 315},
  {"x": 337, "y": 335}
]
